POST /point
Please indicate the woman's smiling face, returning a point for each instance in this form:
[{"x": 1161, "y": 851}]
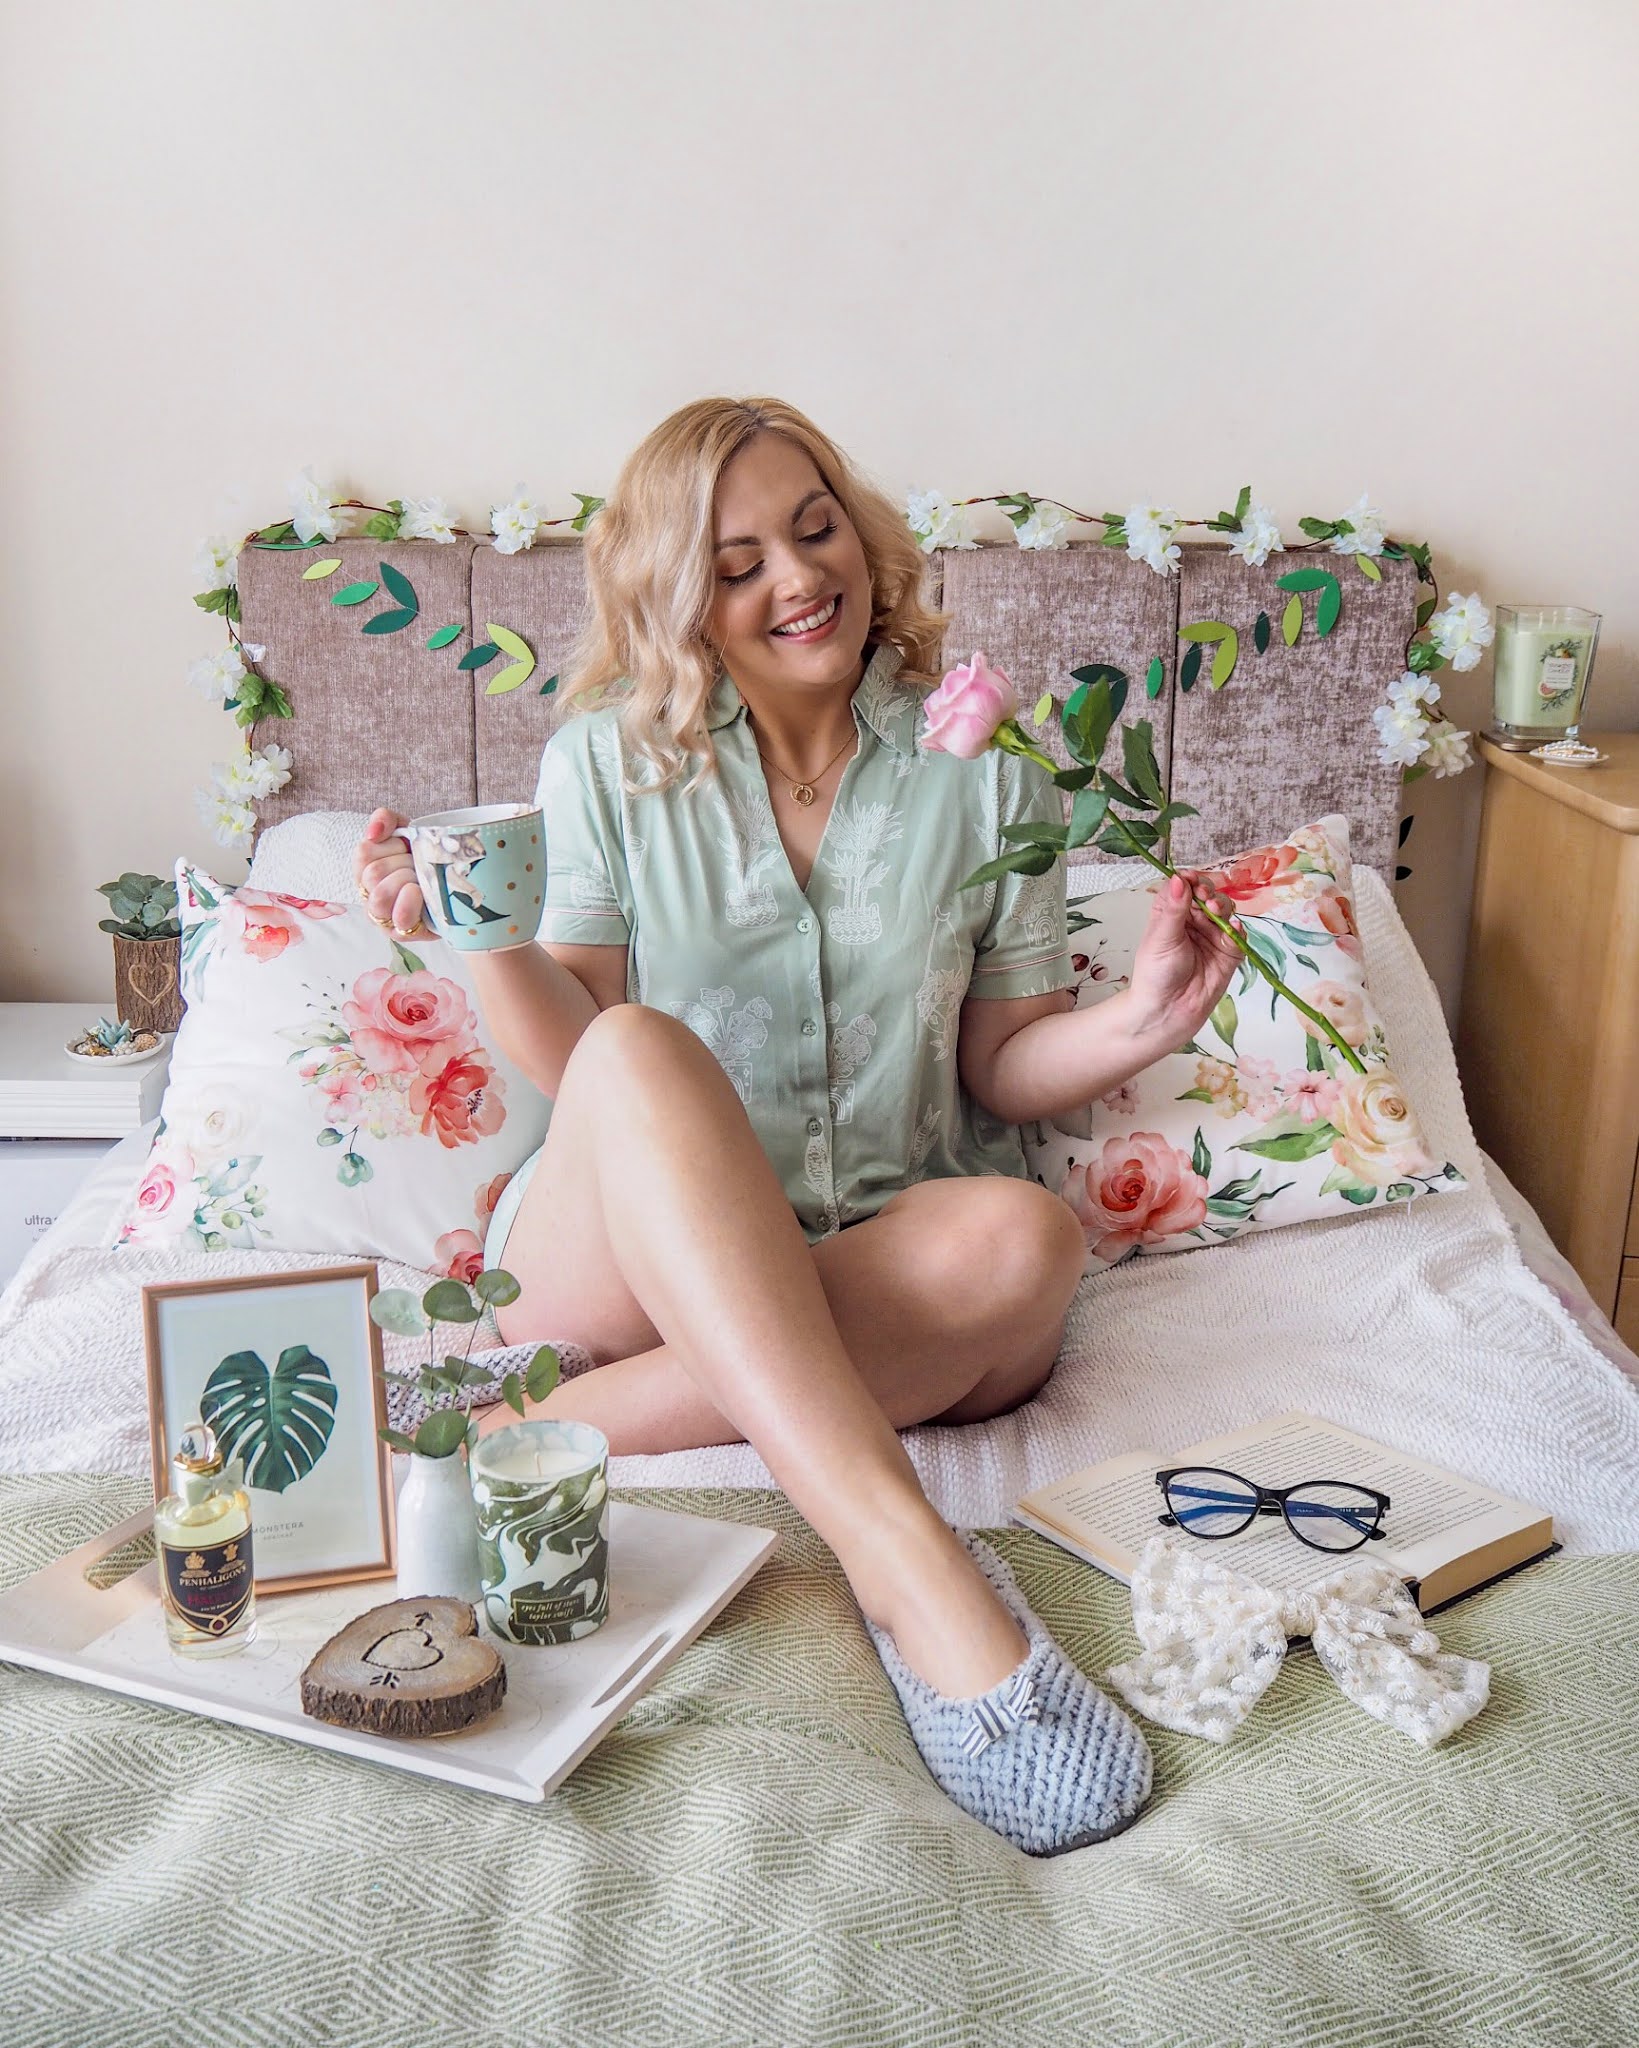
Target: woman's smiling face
[{"x": 787, "y": 553}]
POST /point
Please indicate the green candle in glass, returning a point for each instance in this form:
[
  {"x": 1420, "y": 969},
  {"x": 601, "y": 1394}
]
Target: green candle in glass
[{"x": 1543, "y": 660}]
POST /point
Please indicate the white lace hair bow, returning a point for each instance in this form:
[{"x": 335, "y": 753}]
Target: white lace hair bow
[{"x": 1213, "y": 1642}]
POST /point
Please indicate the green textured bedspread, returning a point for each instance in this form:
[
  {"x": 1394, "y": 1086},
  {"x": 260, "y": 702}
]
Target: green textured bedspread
[{"x": 756, "y": 1855}]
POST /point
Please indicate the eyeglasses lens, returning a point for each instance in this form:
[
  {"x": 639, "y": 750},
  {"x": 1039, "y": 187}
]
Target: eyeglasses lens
[
  {"x": 1210, "y": 1503},
  {"x": 1332, "y": 1516}
]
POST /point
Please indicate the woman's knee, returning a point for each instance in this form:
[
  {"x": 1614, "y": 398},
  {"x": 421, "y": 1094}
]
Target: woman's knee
[
  {"x": 631, "y": 1039},
  {"x": 1002, "y": 1249}
]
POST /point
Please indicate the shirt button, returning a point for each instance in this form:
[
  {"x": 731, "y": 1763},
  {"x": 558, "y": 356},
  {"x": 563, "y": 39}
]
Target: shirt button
[
  {"x": 805, "y": 925},
  {"x": 814, "y": 1127},
  {"x": 809, "y": 1027}
]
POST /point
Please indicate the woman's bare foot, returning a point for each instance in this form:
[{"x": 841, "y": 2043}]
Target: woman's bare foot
[{"x": 924, "y": 1588}]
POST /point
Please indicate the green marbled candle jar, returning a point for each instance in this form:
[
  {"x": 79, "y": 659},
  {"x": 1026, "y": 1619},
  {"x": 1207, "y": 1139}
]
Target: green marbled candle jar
[{"x": 541, "y": 1492}]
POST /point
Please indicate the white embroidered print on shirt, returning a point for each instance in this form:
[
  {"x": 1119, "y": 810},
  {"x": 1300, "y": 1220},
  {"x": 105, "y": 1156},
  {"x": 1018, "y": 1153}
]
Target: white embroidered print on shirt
[
  {"x": 731, "y": 1035},
  {"x": 752, "y": 841},
  {"x": 944, "y": 983},
  {"x": 854, "y": 834},
  {"x": 850, "y": 1048}
]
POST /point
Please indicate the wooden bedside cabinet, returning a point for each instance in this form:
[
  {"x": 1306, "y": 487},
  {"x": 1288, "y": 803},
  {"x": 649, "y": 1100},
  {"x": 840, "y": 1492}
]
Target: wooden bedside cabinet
[{"x": 1548, "y": 1038}]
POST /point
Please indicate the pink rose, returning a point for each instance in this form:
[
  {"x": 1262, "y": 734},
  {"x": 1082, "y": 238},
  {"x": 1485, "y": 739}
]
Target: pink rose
[
  {"x": 488, "y": 1195},
  {"x": 396, "y": 1019},
  {"x": 312, "y": 906},
  {"x": 1140, "y": 1190},
  {"x": 962, "y": 715},
  {"x": 458, "y": 1256},
  {"x": 1337, "y": 916},
  {"x": 1257, "y": 883},
  {"x": 262, "y": 925},
  {"x": 1343, "y": 1008},
  {"x": 161, "y": 1208},
  {"x": 458, "y": 1095}
]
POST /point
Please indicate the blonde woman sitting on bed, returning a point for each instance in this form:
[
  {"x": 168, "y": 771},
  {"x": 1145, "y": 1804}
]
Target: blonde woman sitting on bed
[{"x": 783, "y": 1197}]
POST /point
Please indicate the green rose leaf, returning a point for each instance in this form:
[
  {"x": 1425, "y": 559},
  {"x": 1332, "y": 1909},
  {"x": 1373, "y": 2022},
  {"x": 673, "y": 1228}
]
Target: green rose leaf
[
  {"x": 1200, "y": 1157},
  {"x": 496, "y": 1287},
  {"x": 441, "y": 1434},
  {"x": 542, "y": 1376},
  {"x": 1138, "y": 758},
  {"x": 1087, "y": 814},
  {"x": 1291, "y": 622},
  {"x": 328, "y": 567},
  {"x": 399, "y": 586},
  {"x": 398, "y": 1310},
  {"x": 444, "y": 636},
  {"x": 1368, "y": 567},
  {"x": 278, "y": 1422},
  {"x": 406, "y": 961},
  {"x": 1032, "y": 860},
  {"x": 447, "y": 1301},
  {"x": 1086, "y": 720},
  {"x": 355, "y": 593},
  {"x": 1154, "y": 675},
  {"x": 1035, "y": 833},
  {"x": 1290, "y": 1145},
  {"x": 1102, "y": 672},
  {"x": 1260, "y": 632},
  {"x": 1191, "y": 668},
  {"x": 476, "y": 657}
]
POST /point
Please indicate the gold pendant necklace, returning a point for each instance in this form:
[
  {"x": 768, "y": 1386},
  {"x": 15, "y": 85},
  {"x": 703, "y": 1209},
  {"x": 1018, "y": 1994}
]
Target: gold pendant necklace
[{"x": 803, "y": 792}]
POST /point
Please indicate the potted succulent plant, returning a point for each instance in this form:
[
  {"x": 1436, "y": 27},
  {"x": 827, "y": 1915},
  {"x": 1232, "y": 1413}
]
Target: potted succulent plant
[{"x": 147, "y": 951}]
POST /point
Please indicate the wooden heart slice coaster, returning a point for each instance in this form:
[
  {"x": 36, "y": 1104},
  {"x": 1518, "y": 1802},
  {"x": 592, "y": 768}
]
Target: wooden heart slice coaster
[{"x": 410, "y": 1667}]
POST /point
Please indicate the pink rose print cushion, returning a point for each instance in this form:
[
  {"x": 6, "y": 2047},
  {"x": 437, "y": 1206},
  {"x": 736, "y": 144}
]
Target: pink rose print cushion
[
  {"x": 1257, "y": 1122},
  {"x": 331, "y": 1090}
]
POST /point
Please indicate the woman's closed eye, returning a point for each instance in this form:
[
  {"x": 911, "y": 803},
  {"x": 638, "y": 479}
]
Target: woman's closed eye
[{"x": 820, "y": 533}]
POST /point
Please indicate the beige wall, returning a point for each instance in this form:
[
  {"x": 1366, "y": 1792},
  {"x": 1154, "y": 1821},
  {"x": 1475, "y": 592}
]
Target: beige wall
[{"x": 1097, "y": 251}]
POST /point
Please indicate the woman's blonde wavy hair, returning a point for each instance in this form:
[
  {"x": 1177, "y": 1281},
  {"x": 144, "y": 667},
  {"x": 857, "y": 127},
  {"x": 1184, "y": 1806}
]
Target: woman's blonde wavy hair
[{"x": 651, "y": 578}]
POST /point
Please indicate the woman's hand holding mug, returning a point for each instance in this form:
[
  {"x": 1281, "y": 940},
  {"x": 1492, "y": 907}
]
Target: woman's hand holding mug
[{"x": 385, "y": 874}]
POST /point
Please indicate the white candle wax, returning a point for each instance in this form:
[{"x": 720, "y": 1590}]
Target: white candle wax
[
  {"x": 1534, "y": 666},
  {"x": 527, "y": 1461}
]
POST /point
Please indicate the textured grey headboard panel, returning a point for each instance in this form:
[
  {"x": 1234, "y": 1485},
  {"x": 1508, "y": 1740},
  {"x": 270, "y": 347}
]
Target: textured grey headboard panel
[{"x": 380, "y": 719}]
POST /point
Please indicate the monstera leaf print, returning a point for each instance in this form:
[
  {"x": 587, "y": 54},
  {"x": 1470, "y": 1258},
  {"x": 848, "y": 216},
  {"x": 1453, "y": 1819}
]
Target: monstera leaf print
[{"x": 279, "y": 1422}]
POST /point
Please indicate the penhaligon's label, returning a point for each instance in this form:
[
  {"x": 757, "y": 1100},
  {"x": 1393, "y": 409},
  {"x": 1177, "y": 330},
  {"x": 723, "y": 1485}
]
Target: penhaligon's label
[{"x": 207, "y": 1585}]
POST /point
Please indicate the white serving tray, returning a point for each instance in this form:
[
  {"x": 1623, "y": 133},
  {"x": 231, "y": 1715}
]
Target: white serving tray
[{"x": 668, "y": 1575}]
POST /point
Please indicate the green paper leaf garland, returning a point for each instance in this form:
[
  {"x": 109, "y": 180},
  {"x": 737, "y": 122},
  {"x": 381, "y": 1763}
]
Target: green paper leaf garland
[
  {"x": 400, "y": 586},
  {"x": 1153, "y": 677},
  {"x": 444, "y": 636},
  {"x": 327, "y": 567},
  {"x": 1192, "y": 667},
  {"x": 390, "y": 622},
  {"x": 355, "y": 593},
  {"x": 1368, "y": 567},
  {"x": 1291, "y": 624},
  {"x": 1260, "y": 632},
  {"x": 476, "y": 657},
  {"x": 521, "y": 667}
]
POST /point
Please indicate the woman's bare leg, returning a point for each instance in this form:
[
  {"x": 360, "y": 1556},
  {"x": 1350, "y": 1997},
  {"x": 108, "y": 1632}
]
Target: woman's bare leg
[
  {"x": 655, "y": 1213},
  {"x": 949, "y": 1301}
]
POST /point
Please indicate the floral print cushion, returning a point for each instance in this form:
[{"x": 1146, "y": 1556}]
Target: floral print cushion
[
  {"x": 330, "y": 1089},
  {"x": 1258, "y": 1121}
]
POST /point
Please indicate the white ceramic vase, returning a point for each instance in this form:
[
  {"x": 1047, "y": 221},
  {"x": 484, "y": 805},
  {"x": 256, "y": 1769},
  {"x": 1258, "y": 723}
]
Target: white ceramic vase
[{"x": 437, "y": 1531}]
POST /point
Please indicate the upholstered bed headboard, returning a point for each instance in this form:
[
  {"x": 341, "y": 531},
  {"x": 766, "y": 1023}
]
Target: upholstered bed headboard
[{"x": 380, "y": 718}]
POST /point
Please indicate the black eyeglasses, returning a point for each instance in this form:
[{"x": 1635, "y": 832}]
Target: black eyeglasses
[{"x": 1327, "y": 1514}]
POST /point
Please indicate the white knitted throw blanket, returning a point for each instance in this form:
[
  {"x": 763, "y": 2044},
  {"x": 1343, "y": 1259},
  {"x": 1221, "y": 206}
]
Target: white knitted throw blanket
[{"x": 1419, "y": 1325}]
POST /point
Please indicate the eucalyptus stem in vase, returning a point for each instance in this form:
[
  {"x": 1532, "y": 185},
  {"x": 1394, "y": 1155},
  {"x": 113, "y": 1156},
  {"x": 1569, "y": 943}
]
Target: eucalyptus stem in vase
[
  {"x": 976, "y": 706},
  {"x": 445, "y": 1430}
]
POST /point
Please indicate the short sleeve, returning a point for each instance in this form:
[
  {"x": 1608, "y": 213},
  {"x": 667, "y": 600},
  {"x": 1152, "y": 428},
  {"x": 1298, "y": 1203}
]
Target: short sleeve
[
  {"x": 1024, "y": 950},
  {"x": 588, "y": 888}
]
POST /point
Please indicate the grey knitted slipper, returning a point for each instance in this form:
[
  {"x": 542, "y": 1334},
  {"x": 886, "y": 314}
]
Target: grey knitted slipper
[{"x": 1043, "y": 1758}]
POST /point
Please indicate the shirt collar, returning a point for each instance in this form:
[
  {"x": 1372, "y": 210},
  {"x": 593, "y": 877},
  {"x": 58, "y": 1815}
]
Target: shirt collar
[{"x": 881, "y": 701}]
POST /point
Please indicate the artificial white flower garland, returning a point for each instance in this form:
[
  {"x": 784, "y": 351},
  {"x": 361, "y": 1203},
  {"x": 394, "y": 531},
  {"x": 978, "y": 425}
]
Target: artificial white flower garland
[{"x": 1412, "y": 732}]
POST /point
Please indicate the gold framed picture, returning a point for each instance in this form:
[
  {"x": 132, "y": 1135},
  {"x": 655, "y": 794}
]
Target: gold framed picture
[{"x": 286, "y": 1369}]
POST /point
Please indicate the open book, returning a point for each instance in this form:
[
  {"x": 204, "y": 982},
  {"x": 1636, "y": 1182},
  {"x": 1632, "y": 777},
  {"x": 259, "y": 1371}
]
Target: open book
[{"x": 1442, "y": 1534}]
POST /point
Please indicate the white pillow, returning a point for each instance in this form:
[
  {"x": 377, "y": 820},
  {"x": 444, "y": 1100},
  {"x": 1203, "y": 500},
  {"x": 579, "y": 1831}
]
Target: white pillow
[
  {"x": 330, "y": 1090},
  {"x": 309, "y": 855},
  {"x": 1258, "y": 1122}
]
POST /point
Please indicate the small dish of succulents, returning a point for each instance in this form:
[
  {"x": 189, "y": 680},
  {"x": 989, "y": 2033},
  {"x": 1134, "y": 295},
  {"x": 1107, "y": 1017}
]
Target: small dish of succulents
[{"x": 113, "y": 1043}]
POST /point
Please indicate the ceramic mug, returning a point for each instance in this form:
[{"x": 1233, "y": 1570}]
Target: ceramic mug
[
  {"x": 482, "y": 873},
  {"x": 540, "y": 1490}
]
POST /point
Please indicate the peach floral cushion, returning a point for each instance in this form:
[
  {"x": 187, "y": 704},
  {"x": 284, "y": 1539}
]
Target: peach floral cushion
[
  {"x": 1258, "y": 1121},
  {"x": 330, "y": 1090}
]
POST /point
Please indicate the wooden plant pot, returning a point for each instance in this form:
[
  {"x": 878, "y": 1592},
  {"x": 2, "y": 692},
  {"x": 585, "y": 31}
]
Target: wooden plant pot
[{"x": 147, "y": 985}]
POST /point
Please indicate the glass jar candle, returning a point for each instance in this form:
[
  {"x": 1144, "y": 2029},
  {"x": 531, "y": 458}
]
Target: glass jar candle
[
  {"x": 541, "y": 1490},
  {"x": 1543, "y": 660}
]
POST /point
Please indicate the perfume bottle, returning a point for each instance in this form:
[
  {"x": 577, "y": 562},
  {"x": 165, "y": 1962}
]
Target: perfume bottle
[{"x": 202, "y": 1531}]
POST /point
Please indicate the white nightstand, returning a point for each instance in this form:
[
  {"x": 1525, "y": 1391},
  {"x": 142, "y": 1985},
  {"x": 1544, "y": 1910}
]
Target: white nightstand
[{"x": 58, "y": 1116}]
